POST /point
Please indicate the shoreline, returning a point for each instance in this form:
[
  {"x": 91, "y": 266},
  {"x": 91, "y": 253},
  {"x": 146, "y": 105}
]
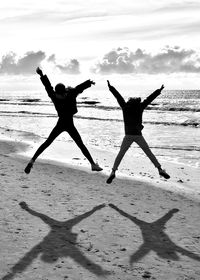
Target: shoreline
[
  {"x": 168, "y": 143},
  {"x": 184, "y": 180}
]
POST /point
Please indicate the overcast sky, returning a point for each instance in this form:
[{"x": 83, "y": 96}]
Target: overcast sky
[{"x": 142, "y": 40}]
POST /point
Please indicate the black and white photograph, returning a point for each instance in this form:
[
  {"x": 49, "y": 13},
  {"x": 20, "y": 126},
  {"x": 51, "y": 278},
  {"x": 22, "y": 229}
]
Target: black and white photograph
[{"x": 100, "y": 140}]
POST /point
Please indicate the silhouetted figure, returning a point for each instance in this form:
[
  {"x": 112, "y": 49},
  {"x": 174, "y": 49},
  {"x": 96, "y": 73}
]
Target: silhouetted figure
[
  {"x": 60, "y": 242},
  {"x": 155, "y": 239},
  {"x": 132, "y": 115},
  {"x": 64, "y": 100}
]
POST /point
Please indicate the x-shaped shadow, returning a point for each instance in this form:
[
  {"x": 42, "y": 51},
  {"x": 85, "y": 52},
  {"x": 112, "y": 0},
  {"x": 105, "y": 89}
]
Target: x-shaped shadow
[
  {"x": 155, "y": 239},
  {"x": 60, "y": 242}
]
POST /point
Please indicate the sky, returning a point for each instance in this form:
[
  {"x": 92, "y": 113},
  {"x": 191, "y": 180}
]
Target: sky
[{"x": 138, "y": 44}]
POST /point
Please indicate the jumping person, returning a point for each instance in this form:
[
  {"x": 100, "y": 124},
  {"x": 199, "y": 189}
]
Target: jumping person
[
  {"x": 64, "y": 100},
  {"x": 132, "y": 115}
]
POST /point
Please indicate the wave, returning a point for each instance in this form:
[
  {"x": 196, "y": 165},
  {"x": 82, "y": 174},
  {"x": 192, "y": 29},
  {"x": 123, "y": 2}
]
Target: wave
[
  {"x": 29, "y": 99},
  {"x": 175, "y": 109},
  {"x": 193, "y": 122},
  {"x": 185, "y": 123},
  {"x": 168, "y": 106},
  {"x": 22, "y": 134},
  {"x": 31, "y": 103},
  {"x": 25, "y": 114},
  {"x": 156, "y": 107},
  {"x": 177, "y": 148}
]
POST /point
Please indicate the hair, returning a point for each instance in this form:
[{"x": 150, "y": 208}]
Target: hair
[
  {"x": 133, "y": 101},
  {"x": 60, "y": 88}
]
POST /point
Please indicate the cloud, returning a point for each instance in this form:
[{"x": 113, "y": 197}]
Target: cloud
[
  {"x": 169, "y": 60},
  {"x": 50, "y": 16},
  {"x": 23, "y": 65},
  {"x": 121, "y": 60},
  {"x": 26, "y": 65},
  {"x": 179, "y": 6},
  {"x": 71, "y": 67},
  {"x": 52, "y": 58},
  {"x": 116, "y": 61}
]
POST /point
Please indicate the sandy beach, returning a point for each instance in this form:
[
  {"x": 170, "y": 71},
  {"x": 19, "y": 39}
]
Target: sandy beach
[
  {"x": 75, "y": 226},
  {"x": 91, "y": 72}
]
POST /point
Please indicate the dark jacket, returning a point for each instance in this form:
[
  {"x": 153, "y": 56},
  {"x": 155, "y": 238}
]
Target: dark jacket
[
  {"x": 133, "y": 115},
  {"x": 66, "y": 107}
]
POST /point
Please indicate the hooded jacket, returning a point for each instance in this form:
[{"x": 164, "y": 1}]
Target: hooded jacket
[
  {"x": 65, "y": 107},
  {"x": 133, "y": 114}
]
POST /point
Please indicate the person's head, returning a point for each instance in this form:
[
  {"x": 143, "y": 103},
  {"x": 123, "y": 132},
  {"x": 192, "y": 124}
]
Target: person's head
[
  {"x": 133, "y": 101},
  {"x": 60, "y": 88}
]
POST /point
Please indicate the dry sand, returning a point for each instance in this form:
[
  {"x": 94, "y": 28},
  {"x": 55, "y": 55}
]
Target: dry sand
[{"x": 79, "y": 228}]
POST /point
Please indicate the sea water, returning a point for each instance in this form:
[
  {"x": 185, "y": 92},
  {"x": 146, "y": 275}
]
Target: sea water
[{"x": 171, "y": 122}]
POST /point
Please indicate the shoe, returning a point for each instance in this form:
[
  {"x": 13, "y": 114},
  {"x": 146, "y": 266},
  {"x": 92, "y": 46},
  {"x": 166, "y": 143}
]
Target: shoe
[
  {"x": 111, "y": 177},
  {"x": 163, "y": 173},
  {"x": 27, "y": 170},
  {"x": 96, "y": 167}
]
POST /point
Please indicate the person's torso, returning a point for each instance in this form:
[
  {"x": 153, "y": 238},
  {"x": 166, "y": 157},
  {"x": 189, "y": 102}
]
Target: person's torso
[
  {"x": 67, "y": 106},
  {"x": 132, "y": 120}
]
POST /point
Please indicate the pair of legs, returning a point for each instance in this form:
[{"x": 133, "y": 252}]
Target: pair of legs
[
  {"x": 126, "y": 143},
  {"x": 61, "y": 126}
]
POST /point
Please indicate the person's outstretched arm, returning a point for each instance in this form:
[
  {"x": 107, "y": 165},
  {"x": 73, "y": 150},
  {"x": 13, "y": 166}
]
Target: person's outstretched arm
[
  {"x": 44, "y": 79},
  {"x": 151, "y": 97},
  {"x": 163, "y": 220},
  {"x": 132, "y": 218},
  {"x": 81, "y": 217},
  {"x": 116, "y": 94},
  {"x": 81, "y": 87},
  {"x": 43, "y": 217}
]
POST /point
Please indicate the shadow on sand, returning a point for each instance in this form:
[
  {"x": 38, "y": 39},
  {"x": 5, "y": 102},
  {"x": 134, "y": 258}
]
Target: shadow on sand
[
  {"x": 60, "y": 242},
  {"x": 155, "y": 239}
]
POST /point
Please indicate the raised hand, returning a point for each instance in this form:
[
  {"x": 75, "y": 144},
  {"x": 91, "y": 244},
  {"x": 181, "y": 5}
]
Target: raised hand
[
  {"x": 39, "y": 71},
  {"x": 162, "y": 87},
  {"x": 109, "y": 85},
  {"x": 92, "y": 82}
]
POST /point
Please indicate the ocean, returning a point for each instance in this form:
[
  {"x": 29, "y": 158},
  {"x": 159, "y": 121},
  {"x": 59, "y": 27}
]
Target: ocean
[{"x": 171, "y": 122}]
